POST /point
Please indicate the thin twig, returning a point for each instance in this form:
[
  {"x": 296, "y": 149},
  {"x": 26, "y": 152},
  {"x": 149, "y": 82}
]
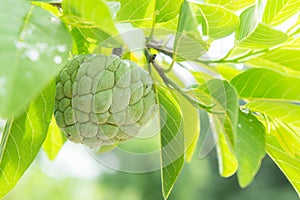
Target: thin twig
[{"x": 169, "y": 83}]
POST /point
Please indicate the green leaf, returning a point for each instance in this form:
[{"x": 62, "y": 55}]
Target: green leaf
[
  {"x": 137, "y": 12},
  {"x": 276, "y": 12},
  {"x": 188, "y": 42},
  {"x": 134, "y": 38},
  {"x": 81, "y": 45},
  {"x": 114, "y": 8},
  {"x": 289, "y": 165},
  {"x": 91, "y": 17},
  {"x": 226, "y": 159},
  {"x": 217, "y": 22},
  {"x": 224, "y": 116},
  {"x": 46, "y": 6},
  {"x": 286, "y": 136},
  {"x": 54, "y": 140},
  {"x": 262, "y": 37},
  {"x": 281, "y": 59},
  {"x": 191, "y": 121},
  {"x": 228, "y": 72},
  {"x": 172, "y": 139},
  {"x": 232, "y": 4},
  {"x": 202, "y": 77},
  {"x": 267, "y": 84},
  {"x": 225, "y": 110},
  {"x": 167, "y": 10},
  {"x": 34, "y": 44},
  {"x": 48, "y": 1},
  {"x": 169, "y": 25},
  {"x": 191, "y": 127},
  {"x": 286, "y": 119},
  {"x": 143, "y": 12},
  {"x": 249, "y": 147},
  {"x": 247, "y": 23},
  {"x": 283, "y": 111},
  {"x": 23, "y": 138}
]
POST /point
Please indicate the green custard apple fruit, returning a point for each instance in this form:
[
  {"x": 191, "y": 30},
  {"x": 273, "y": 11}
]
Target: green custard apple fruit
[{"x": 103, "y": 100}]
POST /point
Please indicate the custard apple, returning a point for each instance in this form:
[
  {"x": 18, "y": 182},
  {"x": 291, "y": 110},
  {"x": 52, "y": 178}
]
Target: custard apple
[{"x": 103, "y": 100}]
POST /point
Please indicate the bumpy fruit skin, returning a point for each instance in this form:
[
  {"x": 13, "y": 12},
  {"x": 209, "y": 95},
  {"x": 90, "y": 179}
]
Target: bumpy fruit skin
[{"x": 103, "y": 100}]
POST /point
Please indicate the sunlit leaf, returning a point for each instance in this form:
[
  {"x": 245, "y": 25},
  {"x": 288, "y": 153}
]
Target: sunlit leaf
[
  {"x": 46, "y": 6},
  {"x": 276, "y": 12},
  {"x": 216, "y": 21},
  {"x": 226, "y": 159},
  {"x": 191, "y": 119},
  {"x": 232, "y": 4},
  {"x": 282, "y": 59},
  {"x": 228, "y": 72},
  {"x": 34, "y": 45},
  {"x": 283, "y": 111},
  {"x": 286, "y": 122},
  {"x": 137, "y": 12},
  {"x": 289, "y": 165},
  {"x": 91, "y": 17},
  {"x": 166, "y": 10},
  {"x": 172, "y": 139},
  {"x": 24, "y": 136},
  {"x": 249, "y": 147},
  {"x": 224, "y": 116},
  {"x": 54, "y": 140},
  {"x": 191, "y": 127},
  {"x": 81, "y": 45},
  {"x": 267, "y": 84},
  {"x": 262, "y": 37},
  {"x": 247, "y": 23},
  {"x": 188, "y": 42}
]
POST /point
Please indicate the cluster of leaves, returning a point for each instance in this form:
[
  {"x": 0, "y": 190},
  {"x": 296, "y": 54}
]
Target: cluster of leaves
[{"x": 253, "y": 110}]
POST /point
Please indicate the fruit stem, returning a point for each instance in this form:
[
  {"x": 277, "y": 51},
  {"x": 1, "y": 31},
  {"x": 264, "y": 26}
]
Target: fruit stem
[{"x": 117, "y": 51}]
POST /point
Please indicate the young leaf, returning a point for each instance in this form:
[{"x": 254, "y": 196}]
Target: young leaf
[
  {"x": 247, "y": 23},
  {"x": 81, "y": 45},
  {"x": 172, "y": 139},
  {"x": 188, "y": 42},
  {"x": 224, "y": 119},
  {"x": 34, "y": 44},
  {"x": 24, "y": 136},
  {"x": 228, "y": 72},
  {"x": 289, "y": 165},
  {"x": 54, "y": 140},
  {"x": 191, "y": 126},
  {"x": 287, "y": 137},
  {"x": 266, "y": 84},
  {"x": 226, "y": 159},
  {"x": 92, "y": 18},
  {"x": 263, "y": 37},
  {"x": 213, "y": 25},
  {"x": 226, "y": 106},
  {"x": 281, "y": 59},
  {"x": 276, "y": 12},
  {"x": 286, "y": 119},
  {"x": 191, "y": 119},
  {"x": 232, "y": 4},
  {"x": 137, "y": 12},
  {"x": 167, "y": 10},
  {"x": 249, "y": 147},
  {"x": 283, "y": 111}
]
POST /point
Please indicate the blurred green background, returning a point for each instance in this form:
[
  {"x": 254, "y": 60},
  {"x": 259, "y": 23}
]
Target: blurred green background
[{"x": 74, "y": 175}]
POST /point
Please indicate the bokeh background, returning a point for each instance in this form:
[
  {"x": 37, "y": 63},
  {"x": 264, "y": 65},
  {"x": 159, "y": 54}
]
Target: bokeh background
[{"x": 76, "y": 175}]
